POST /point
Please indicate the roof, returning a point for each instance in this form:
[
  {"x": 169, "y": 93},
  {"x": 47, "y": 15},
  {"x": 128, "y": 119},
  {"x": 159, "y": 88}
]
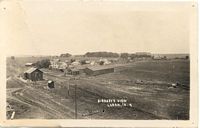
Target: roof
[
  {"x": 99, "y": 67},
  {"x": 50, "y": 81},
  {"x": 81, "y": 67},
  {"x": 32, "y": 70},
  {"x": 75, "y": 62},
  {"x": 74, "y": 70},
  {"x": 29, "y": 64}
]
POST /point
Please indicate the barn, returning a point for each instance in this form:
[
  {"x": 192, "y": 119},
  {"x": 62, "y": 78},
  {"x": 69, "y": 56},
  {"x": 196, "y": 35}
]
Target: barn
[
  {"x": 98, "y": 70},
  {"x": 81, "y": 69},
  {"x": 33, "y": 74}
]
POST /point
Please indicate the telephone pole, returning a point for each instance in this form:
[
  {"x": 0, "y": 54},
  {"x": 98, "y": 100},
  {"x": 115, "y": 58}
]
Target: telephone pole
[
  {"x": 75, "y": 102},
  {"x": 68, "y": 87}
]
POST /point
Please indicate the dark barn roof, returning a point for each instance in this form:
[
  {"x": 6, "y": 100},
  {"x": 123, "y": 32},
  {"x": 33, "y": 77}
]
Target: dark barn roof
[
  {"x": 33, "y": 74},
  {"x": 96, "y": 68},
  {"x": 32, "y": 70}
]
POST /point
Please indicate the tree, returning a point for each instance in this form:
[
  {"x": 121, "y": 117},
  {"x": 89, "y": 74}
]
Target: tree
[
  {"x": 43, "y": 63},
  {"x": 124, "y": 55},
  {"x": 101, "y": 54},
  {"x": 12, "y": 57},
  {"x": 132, "y": 56},
  {"x": 65, "y": 55},
  {"x": 187, "y": 57},
  {"x": 101, "y": 62},
  {"x": 72, "y": 60},
  {"x": 83, "y": 62}
]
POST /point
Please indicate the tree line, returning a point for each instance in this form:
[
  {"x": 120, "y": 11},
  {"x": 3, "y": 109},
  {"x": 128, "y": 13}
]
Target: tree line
[
  {"x": 109, "y": 54},
  {"x": 101, "y": 54}
]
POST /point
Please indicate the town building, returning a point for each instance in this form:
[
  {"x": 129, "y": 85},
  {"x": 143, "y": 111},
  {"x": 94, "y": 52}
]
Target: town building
[{"x": 98, "y": 70}]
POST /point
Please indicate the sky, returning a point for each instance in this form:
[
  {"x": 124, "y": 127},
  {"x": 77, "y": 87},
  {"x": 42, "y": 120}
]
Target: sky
[{"x": 54, "y": 27}]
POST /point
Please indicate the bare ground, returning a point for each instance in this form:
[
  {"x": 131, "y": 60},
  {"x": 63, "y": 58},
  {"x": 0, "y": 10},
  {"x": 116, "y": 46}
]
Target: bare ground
[{"x": 152, "y": 99}]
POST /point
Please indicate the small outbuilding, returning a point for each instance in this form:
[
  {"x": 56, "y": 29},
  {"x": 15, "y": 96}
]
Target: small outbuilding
[
  {"x": 73, "y": 71},
  {"x": 33, "y": 74},
  {"x": 50, "y": 84}
]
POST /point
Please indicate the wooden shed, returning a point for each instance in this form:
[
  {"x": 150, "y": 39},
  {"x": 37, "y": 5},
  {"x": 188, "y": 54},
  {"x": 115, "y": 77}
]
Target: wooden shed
[
  {"x": 73, "y": 71},
  {"x": 33, "y": 74}
]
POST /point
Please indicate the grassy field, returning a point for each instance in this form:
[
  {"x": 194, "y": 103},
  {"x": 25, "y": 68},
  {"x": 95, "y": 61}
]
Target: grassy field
[
  {"x": 145, "y": 85},
  {"x": 154, "y": 94}
]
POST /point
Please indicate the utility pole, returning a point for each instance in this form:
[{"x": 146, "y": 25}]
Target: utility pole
[
  {"x": 68, "y": 87},
  {"x": 76, "y": 115},
  {"x": 75, "y": 103}
]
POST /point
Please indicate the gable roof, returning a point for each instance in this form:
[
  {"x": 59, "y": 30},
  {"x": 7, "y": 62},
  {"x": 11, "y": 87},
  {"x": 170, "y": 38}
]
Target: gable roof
[
  {"x": 81, "y": 67},
  {"x": 74, "y": 69},
  {"x": 32, "y": 70}
]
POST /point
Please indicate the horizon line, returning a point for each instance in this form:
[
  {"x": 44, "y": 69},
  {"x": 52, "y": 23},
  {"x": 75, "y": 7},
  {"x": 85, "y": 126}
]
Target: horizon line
[{"x": 21, "y": 55}]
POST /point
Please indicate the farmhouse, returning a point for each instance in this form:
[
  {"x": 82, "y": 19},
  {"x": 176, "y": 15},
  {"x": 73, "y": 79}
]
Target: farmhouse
[
  {"x": 33, "y": 74},
  {"x": 98, "y": 70},
  {"x": 61, "y": 66}
]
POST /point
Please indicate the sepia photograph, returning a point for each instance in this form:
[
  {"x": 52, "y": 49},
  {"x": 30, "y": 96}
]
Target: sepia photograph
[{"x": 98, "y": 60}]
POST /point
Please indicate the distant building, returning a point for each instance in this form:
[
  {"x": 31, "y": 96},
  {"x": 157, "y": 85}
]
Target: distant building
[
  {"x": 58, "y": 65},
  {"x": 62, "y": 66},
  {"x": 81, "y": 69},
  {"x": 105, "y": 61},
  {"x": 87, "y": 62},
  {"x": 33, "y": 74},
  {"x": 54, "y": 64},
  {"x": 98, "y": 70},
  {"x": 93, "y": 63},
  {"x": 29, "y": 64},
  {"x": 73, "y": 71},
  {"x": 159, "y": 57},
  {"x": 67, "y": 61},
  {"x": 75, "y": 63}
]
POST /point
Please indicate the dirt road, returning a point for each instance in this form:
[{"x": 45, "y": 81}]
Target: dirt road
[{"x": 50, "y": 104}]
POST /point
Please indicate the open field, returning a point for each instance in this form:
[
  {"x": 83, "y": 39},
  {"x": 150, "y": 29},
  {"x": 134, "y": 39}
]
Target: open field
[{"x": 145, "y": 85}]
